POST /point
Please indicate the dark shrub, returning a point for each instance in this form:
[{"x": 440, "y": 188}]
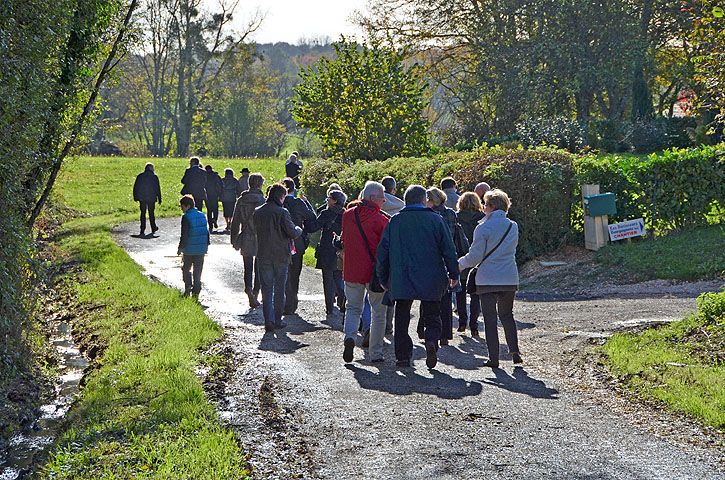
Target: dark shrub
[{"x": 560, "y": 132}]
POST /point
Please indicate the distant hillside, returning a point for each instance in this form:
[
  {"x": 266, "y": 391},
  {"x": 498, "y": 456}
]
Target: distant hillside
[{"x": 285, "y": 61}]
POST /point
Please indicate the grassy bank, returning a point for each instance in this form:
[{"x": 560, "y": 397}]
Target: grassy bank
[
  {"x": 692, "y": 255},
  {"x": 681, "y": 364},
  {"x": 143, "y": 411}
]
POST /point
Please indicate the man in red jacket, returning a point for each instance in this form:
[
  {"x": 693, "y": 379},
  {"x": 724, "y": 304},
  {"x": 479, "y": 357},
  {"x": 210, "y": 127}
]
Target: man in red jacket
[{"x": 362, "y": 228}]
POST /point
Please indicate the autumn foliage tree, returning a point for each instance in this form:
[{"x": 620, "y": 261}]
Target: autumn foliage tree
[{"x": 364, "y": 104}]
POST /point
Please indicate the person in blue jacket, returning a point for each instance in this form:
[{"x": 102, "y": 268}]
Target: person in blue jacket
[
  {"x": 416, "y": 260},
  {"x": 193, "y": 244}
]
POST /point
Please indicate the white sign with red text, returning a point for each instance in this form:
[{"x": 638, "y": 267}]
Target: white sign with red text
[{"x": 628, "y": 229}]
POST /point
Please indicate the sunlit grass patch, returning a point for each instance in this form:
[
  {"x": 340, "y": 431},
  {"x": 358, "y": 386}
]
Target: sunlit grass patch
[
  {"x": 143, "y": 411},
  {"x": 681, "y": 364}
]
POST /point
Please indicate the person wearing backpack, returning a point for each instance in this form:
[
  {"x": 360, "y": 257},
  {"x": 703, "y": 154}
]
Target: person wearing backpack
[{"x": 493, "y": 252}]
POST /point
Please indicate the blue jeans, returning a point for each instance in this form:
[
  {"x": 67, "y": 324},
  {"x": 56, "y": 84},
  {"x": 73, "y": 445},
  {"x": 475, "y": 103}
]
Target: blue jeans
[{"x": 272, "y": 278}]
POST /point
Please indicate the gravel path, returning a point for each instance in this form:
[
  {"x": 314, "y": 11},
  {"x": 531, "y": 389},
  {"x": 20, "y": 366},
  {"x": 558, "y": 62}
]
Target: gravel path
[{"x": 302, "y": 413}]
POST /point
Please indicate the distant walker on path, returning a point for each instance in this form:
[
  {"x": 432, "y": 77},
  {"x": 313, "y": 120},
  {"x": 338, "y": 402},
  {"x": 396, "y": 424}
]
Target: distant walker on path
[
  {"x": 147, "y": 191},
  {"x": 194, "y": 181}
]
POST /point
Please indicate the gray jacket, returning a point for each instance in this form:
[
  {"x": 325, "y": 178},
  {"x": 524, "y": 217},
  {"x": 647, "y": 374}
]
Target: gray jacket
[
  {"x": 452, "y": 198},
  {"x": 392, "y": 204},
  {"x": 500, "y": 267}
]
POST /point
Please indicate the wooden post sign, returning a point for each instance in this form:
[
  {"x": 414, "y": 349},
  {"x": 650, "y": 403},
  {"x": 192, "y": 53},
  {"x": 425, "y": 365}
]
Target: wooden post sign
[
  {"x": 595, "y": 228},
  {"x": 628, "y": 229}
]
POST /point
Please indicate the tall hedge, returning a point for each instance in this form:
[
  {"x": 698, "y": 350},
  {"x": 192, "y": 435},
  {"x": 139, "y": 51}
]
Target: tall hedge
[
  {"x": 539, "y": 183},
  {"x": 674, "y": 190}
]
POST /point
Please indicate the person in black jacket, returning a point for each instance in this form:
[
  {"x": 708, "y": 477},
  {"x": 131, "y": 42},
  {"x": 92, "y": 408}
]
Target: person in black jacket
[
  {"x": 194, "y": 181},
  {"x": 303, "y": 215},
  {"x": 229, "y": 193},
  {"x": 213, "y": 190},
  {"x": 330, "y": 219},
  {"x": 146, "y": 191},
  {"x": 293, "y": 167},
  {"x": 275, "y": 230}
]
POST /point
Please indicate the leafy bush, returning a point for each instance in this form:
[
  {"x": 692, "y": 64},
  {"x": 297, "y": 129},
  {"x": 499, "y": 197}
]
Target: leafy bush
[
  {"x": 539, "y": 183},
  {"x": 646, "y": 136},
  {"x": 560, "y": 132},
  {"x": 605, "y": 135},
  {"x": 712, "y": 308}
]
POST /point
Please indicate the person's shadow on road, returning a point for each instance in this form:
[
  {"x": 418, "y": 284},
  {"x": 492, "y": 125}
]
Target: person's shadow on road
[
  {"x": 406, "y": 382},
  {"x": 520, "y": 382},
  {"x": 278, "y": 342}
]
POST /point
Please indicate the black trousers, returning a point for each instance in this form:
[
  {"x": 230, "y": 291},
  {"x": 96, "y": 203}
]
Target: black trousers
[
  {"x": 150, "y": 206},
  {"x": 446, "y": 316},
  {"x": 332, "y": 285},
  {"x": 199, "y": 204},
  {"x": 463, "y": 317},
  {"x": 293, "y": 284},
  {"x": 499, "y": 306},
  {"x": 430, "y": 314},
  {"x": 212, "y": 213},
  {"x": 250, "y": 267},
  {"x": 192, "y": 284}
]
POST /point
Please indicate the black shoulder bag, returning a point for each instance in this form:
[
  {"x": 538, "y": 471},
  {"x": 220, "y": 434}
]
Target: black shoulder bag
[
  {"x": 471, "y": 279},
  {"x": 375, "y": 285}
]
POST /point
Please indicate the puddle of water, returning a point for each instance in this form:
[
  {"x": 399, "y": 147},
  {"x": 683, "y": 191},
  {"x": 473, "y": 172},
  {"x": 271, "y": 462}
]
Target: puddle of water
[
  {"x": 25, "y": 446},
  {"x": 643, "y": 322}
]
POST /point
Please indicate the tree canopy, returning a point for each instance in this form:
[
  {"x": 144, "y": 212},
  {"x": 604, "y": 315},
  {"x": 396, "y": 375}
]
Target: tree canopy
[{"x": 363, "y": 104}]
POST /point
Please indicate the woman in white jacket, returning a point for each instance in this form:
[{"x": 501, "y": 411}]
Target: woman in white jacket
[{"x": 495, "y": 240}]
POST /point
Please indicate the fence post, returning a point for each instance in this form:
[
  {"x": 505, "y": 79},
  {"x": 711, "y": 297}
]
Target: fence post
[{"x": 595, "y": 228}]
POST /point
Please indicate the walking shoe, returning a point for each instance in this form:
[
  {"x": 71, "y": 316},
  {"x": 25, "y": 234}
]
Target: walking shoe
[
  {"x": 461, "y": 328},
  {"x": 366, "y": 339},
  {"x": 474, "y": 332},
  {"x": 268, "y": 327},
  {"x": 444, "y": 342},
  {"x": 431, "y": 356},
  {"x": 154, "y": 229},
  {"x": 280, "y": 324},
  {"x": 489, "y": 363},
  {"x": 402, "y": 363},
  {"x": 516, "y": 358},
  {"x": 347, "y": 353},
  {"x": 253, "y": 303}
]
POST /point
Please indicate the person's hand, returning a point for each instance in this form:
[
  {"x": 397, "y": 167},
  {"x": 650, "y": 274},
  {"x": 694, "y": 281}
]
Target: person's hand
[
  {"x": 452, "y": 283},
  {"x": 301, "y": 195}
]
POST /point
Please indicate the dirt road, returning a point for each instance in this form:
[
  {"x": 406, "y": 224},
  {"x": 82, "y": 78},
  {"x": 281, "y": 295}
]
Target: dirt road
[{"x": 302, "y": 413}]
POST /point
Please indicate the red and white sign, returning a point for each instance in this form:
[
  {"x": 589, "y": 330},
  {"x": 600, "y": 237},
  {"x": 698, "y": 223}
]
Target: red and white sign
[{"x": 628, "y": 229}]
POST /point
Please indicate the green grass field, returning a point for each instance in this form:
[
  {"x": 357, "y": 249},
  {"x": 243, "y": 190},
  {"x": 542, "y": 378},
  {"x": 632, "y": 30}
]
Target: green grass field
[{"x": 100, "y": 185}]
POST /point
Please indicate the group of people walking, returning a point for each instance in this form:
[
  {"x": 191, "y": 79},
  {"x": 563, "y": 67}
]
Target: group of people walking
[{"x": 377, "y": 255}]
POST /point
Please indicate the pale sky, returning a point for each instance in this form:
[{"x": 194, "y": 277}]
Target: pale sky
[{"x": 288, "y": 20}]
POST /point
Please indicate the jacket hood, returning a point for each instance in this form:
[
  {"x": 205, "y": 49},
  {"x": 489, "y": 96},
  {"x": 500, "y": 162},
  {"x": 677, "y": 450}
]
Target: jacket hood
[
  {"x": 469, "y": 216},
  {"x": 252, "y": 197},
  {"x": 338, "y": 209},
  {"x": 367, "y": 209}
]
